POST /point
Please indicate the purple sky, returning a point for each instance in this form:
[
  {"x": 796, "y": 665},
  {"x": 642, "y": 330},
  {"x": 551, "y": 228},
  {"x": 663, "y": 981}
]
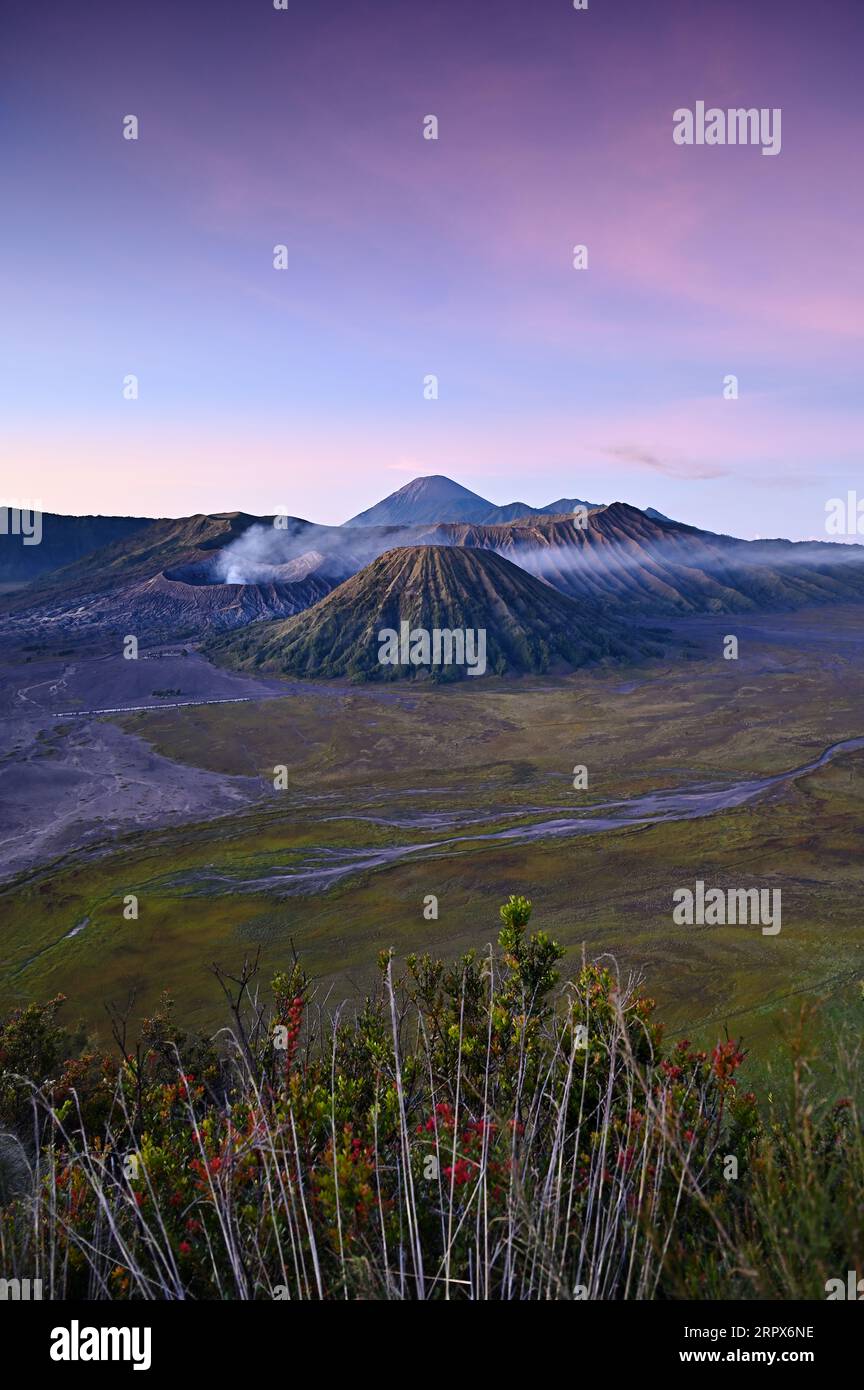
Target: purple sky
[{"x": 262, "y": 389}]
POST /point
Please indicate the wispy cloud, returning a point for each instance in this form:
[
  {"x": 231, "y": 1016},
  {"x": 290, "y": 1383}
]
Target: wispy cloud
[{"x": 670, "y": 468}]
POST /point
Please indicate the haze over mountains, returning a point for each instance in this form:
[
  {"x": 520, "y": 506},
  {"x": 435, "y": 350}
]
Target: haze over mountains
[
  {"x": 181, "y": 578},
  {"x": 626, "y": 559}
]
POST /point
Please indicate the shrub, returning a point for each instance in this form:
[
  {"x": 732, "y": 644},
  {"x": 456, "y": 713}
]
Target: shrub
[{"x": 472, "y": 1130}]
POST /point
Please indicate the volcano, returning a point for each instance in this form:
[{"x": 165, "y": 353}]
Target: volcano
[
  {"x": 436, "y": 498},
  {"x": 529, "y": 627}
]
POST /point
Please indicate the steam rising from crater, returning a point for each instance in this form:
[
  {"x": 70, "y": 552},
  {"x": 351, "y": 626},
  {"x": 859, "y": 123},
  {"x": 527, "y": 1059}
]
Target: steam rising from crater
[
  {"x": 285, "y": 554},
  {"x": 255, "y": 557}
]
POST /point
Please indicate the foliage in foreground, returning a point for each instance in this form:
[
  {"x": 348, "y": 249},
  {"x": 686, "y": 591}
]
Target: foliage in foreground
[{"x": 474, "y": 1131}]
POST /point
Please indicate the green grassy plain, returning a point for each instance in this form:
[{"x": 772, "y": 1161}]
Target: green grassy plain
[{"x": 501, "y": 748}]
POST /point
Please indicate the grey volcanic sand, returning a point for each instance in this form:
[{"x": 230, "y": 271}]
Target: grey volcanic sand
[
  {"x": 68, "y": 779},
  {"x": 70, "y": 776}
]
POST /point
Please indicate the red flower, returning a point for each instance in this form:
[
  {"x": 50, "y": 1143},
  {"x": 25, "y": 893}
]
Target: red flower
[
  {"x": 460, "y": 1172},
  {"x": 726, "y": 1059}
]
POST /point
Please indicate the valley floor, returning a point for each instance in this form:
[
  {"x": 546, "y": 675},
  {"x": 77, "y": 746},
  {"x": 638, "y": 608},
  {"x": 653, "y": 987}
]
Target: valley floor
[{"x": 394, "y": 796}]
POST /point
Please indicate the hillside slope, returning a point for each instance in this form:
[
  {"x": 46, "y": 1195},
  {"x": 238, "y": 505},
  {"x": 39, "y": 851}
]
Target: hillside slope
[
  {"x": 162, "y": 581},
  {"x": 529, "y": 626},
  {"x": 635, "y": 563},
  {"x": 64, "y": 540}
]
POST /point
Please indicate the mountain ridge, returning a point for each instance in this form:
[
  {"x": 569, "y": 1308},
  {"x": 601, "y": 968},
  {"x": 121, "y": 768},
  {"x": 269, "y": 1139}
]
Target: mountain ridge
[
  {"x": 173, "y": 578},
  {"x": 64, "y": 540}
]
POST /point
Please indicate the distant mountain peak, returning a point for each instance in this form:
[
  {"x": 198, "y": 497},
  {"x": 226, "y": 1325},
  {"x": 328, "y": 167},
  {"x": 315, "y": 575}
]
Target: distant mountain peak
[
  {"x": 437, "y": 498},
  {"x": 431, "y": 498}
]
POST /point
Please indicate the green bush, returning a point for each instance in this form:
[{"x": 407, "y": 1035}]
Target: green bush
[{"x": 474, "y": 1129}]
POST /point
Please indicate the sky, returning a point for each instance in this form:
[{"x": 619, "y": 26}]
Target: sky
[{"x": 302, "y": 389}]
